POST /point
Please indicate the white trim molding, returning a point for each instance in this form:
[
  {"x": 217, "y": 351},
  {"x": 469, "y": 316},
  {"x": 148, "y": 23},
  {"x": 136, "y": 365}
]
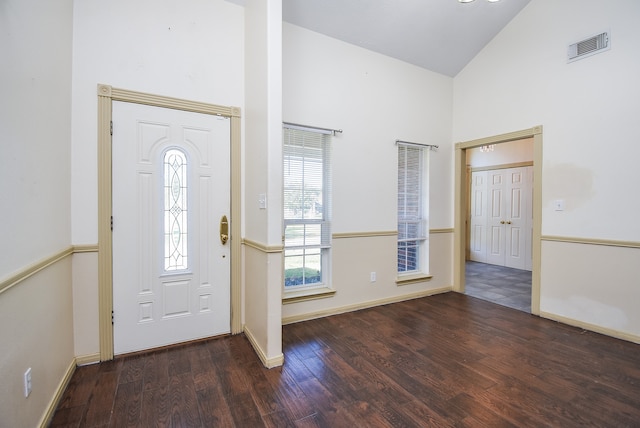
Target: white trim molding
[
  {"x": 22, "y": 274},
  {"x": 348, "y": 235},
  {"x": 591, "y": 327},
  {"x": 592, "y": 241},
  {"x": 106, "y": 96},
  {"x": 267, "y": 362},
  {"x": 262, "y": 247},
  {"x": 447, "y": 230},
  {"x": 364, "y": 305},
  {"x": 57, "y": 396},
  {"x": 85, "y": 360},
  {"x": 461, "y": 202}
]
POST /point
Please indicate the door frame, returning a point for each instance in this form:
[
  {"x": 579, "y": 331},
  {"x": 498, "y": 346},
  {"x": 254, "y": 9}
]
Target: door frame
[
  {"x": 106, "y": 96},
  {"x": 461, "y": 208}
]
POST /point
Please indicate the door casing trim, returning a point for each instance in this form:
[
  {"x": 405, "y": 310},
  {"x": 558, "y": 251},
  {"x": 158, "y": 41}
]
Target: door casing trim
[
  {"x": 106, "y": 96},
  {"x": 460, "y": 207}
]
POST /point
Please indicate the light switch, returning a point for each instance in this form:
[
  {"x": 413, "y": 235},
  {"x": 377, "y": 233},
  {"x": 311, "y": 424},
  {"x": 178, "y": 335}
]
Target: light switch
[
  {"x": 559, "y": 204},
  {"x": 262, "y": 201}
]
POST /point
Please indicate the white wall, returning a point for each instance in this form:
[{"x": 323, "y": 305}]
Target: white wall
[
  {"x": 588, "y": 110},
  {"x": 85, "y": 307},
  {"x": 263, "y": 175},
  {"x": 36, "y": 322},
  {"x": 191, "y": 49},
  {"x": 35, "y": 130},
  {"x": 375, "y": 100},
  {"x": 36, "y": 331}
]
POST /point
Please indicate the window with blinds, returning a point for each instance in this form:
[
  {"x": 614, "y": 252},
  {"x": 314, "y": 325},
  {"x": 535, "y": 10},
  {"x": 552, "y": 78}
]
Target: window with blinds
[
  {"x": 412, "y": 209},
  {"x": 307, "y": 199}
]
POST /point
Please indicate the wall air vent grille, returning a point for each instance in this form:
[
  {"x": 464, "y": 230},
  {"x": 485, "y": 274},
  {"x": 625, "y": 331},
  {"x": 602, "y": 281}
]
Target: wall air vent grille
[{"x": 588, "y": 47}]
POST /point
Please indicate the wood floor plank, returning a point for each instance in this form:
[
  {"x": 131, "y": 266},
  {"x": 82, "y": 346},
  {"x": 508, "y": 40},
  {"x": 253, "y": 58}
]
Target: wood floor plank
[
  {"x": 264, "y": 397},
  {"x": 183, "y": 401},
  {"x": 445, "y": 360},
  {"x": 127, "y": 404},
  {"x": 330, "y": 409},
  {"x": 214, "y": 410},
  {"x": 244, "y": 411},
  {"x": 132, "y": 369},
  {"x": 479, "y": 414},
  {"x": 68, "y": 417},
  {"x": 156, "y": 370},
  {"x": 156, "y": 410},
  {"x": 289, "y": 394},
  {"x": 203, "y": 370},
  {"x": 423, "y": 414},
  {"x": 102, "y": 398},
  {"x": 80, "y": 386},
  {"x": 278, "y": 419},
  {"x": 178, "y": 361}
]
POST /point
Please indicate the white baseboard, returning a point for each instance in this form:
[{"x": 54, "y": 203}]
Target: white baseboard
[
  {"x": 55, "y": 400},
  {"x": 592, "y": 327},
  {"x": 267, "y": 362},
  {"x": 362, "y": 305},
  {"x": 84, "y": 360}
]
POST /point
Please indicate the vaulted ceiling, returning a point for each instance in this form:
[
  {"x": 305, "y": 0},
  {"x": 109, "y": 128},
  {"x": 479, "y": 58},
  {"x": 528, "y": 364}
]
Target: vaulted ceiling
[{"x": 438, "y": 35}]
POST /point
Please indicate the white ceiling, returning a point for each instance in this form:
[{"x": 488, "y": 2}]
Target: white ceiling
[{"x": 439, "y": 35}]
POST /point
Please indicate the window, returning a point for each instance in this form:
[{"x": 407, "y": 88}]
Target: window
[
  {"x": 175, "y": 210},
  {"x": 413, "y": 199},
  {"x": 307, "y": 203}
]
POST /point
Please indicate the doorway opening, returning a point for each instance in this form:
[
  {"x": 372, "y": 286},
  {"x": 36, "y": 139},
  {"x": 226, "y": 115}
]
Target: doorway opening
[
  {"x": 462, "y": 221},
  {"x": 499, "y": 218}
]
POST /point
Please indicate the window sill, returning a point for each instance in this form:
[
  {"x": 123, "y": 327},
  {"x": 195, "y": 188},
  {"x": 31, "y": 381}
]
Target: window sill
[
  {"x": 308, "y": 294},
  {"x": 414, "y": 278}
]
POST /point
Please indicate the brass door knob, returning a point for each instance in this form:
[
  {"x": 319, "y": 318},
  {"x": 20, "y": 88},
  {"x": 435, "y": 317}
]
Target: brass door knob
[{"x": 224, "y": 229}]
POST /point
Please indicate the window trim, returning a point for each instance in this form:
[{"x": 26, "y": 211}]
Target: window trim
[
  {"x": 323, "y": 289},
  {"x": 295, "y": 296},
  {"x": 421, "y": 273}
]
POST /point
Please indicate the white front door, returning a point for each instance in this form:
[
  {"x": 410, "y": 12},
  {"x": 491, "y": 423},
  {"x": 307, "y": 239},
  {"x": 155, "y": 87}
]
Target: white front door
[{"x": 171, "y": 187}]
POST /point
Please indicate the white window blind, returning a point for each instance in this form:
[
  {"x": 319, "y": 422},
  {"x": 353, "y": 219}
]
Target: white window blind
[
  {"x": 307, "y": 199},
  {"x": 412, "y": 208}
]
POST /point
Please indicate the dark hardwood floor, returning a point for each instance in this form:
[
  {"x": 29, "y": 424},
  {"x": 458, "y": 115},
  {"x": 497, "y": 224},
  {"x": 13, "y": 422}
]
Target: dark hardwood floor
[{"x": 445, "y": 360}]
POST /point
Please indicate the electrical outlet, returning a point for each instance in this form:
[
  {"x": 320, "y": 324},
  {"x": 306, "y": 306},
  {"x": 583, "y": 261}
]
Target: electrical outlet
[
  {"x": 27, "y": 382},
  {"x": 373, "y": 277}
]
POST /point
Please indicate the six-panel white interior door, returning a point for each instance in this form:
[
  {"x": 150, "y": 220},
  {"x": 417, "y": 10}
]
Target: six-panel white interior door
[
  {"x": 501, "y": 217},
  {"x": 171, "y": 187}
]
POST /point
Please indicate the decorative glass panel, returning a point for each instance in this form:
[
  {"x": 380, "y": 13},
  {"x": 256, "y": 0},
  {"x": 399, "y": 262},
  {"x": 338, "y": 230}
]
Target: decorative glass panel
[{"x": 175, "y": 211}]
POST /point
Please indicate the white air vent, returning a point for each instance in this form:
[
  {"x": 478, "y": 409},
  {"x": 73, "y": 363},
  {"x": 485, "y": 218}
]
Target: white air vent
[{"x": 588, "y": 47}]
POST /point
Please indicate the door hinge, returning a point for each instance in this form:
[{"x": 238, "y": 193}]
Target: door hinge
[
  {"x": 111, "y": 224},
  {"x": 111, "y": 127},
  {"x": 111, "y": 317}
]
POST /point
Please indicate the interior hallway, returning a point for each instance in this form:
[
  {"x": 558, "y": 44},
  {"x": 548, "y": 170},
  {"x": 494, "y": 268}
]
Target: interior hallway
[{"x": 498, "y": 284}]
